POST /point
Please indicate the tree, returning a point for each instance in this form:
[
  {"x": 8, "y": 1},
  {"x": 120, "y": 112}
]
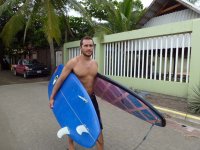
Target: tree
[
  {"x": 97, "y": 10},
  {"x": 137, "y": 4},
  {"x": 79, "y": 28},
  {"x": 192, "y": 1},
  {"x": 17, "y": 40},
  {"x": 47, "y": 10},
  {"x": 124, "y": 18}
]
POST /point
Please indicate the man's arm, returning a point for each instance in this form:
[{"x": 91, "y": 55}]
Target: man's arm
[{"x": 65, "y": 72}]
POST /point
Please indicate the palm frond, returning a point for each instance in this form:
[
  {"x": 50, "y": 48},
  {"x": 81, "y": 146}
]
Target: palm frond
[
  {"x": 28, "y": 23},
  {"x": 95, "y": 2},
  {"x": 2, "y": 1},
  {"x": 4, "y": 6},
  {"x": 110, "y": 8},
  {"x": 51, "y": 22},
  {"x": 60, "y": 5},
  {"x": 119, "y": 22},
  {"x": 68, "y": 27},
  {"x": 30, "y": 17},
  {"x": 100, "y": 31},
  {"x": 125, "y": 20},
  {"x": 13, "y": 2},
  {"x": 135, "y": 17},
  {"x": 91, "y": 32},
  {"x": 82, "y": 11},
  {"x": 14, "y": 25},
  {"x": 126, "y": 8},
  {"x": 135, "y": 14}
]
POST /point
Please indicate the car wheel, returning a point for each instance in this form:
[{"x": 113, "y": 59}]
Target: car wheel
[
  {"x": 25, "y": 75},
  {"x": 15, "y": 72}
]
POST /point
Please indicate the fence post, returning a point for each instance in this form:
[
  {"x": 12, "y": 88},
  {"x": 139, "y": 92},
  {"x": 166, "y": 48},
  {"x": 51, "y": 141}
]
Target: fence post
[
  {"x": 194, "y": 78},
  {"x": 65, "y": 54},
  {"x": 99, "y": 55}
]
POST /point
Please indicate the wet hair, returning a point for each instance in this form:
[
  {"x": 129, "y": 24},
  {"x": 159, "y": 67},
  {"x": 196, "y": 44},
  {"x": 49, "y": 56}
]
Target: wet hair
[{"x": 86, "y": 38}]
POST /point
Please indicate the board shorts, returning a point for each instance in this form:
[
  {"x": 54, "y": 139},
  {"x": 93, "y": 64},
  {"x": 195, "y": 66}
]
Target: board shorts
[{"x": 96, "y": 107}]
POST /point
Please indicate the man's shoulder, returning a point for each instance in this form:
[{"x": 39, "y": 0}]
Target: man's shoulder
[
  {"x": 94, "y": 61},
  {"x": 74, "y": 60}
]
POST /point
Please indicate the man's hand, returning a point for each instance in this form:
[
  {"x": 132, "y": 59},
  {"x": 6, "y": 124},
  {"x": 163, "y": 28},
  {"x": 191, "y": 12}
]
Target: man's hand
[{"x": 51, "y": 101}]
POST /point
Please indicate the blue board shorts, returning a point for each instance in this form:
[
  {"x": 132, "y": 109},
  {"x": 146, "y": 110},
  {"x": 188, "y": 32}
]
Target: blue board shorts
[{"x": 96, "y": 106}]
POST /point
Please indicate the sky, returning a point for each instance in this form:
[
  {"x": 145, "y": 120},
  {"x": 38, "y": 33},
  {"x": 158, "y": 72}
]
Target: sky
[{"x": 146, "y": 3}]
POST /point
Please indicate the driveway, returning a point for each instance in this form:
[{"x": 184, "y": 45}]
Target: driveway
[{"x": 7, "y": 77}]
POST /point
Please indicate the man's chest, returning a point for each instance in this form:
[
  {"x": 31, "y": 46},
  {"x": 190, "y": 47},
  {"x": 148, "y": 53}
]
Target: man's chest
[{"x": 84, "y": 70}]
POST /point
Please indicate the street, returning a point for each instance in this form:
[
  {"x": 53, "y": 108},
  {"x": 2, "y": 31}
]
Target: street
[{"x": 27, "y": 123}]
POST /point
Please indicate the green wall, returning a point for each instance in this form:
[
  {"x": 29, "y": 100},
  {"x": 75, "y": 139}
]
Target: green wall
[{"x": 163, "y": 87}]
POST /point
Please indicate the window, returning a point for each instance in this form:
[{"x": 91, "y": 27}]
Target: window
[{"x": 20, "y": 62}]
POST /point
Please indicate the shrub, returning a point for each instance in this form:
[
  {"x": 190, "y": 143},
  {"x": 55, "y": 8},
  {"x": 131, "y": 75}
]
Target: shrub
[{"x": 194, "y": 100}]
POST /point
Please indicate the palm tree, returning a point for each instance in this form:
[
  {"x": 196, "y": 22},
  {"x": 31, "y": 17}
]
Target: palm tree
[
  {"x": 47, "y": 10},
  {"x": 122, "y": 19}
]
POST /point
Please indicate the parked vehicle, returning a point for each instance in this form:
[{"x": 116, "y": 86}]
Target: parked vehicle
[{"x": 29, "y": 67}]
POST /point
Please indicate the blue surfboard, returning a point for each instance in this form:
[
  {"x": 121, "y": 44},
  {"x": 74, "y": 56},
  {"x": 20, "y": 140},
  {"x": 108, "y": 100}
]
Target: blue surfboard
[{"x": 74, "y": 110}]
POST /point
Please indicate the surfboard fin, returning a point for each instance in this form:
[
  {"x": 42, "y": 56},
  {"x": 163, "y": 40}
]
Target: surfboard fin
[
  {"x": 63, "y": 131},
  {"x": 80, "y": 129}
]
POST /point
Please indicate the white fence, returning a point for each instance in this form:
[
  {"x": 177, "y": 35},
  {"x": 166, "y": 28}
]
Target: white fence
[
  {"x": 75, "y": 51},
  {"x": 157, "y": 58}
]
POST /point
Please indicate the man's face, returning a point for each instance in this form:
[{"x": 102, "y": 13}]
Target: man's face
[{"x": 87, "y": 48}]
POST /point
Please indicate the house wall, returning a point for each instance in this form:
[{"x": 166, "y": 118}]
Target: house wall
[
  {"x": 174, "y": 17},
  {"x": 58, "y": 58},
  {"x": 43, "y": 55},
  {"x": 178, "y": 16},
  {"x": 179, "y": 89}
]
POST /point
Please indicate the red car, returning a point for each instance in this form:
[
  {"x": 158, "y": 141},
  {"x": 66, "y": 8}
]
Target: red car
[{"x": 30, "y": 67}]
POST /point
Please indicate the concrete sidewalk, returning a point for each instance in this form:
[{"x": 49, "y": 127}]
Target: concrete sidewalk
[{"x": 27, "y": 123}]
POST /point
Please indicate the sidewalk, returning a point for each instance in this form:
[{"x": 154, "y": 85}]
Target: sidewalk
[{"x": 27, "y": 123}]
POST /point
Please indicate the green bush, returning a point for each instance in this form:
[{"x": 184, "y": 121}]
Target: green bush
[{"x": 194, "y": 100}]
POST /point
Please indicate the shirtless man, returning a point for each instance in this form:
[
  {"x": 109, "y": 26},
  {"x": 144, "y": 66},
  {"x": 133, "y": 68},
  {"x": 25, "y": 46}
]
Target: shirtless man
[{"x": 85, "y": 68}]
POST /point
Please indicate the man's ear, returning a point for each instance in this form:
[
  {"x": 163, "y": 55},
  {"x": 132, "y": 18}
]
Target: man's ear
[{"x": 80, "y": 47}]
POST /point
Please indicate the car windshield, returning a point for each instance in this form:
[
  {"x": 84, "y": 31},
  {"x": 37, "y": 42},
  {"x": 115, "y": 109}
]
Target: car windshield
[{"x": 31, "y": 61}]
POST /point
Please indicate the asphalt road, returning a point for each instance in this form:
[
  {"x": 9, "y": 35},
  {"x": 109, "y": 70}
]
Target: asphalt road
[
  {"x": 7, "y": 137},
  {"x": 27, "y": 123},
  {"x": 7, "y": 77}
]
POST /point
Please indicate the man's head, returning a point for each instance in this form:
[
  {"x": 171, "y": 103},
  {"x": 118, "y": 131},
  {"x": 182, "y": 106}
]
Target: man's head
[
  {"x": 86, "y": 38},
  {"x": 87, "y": 46}
]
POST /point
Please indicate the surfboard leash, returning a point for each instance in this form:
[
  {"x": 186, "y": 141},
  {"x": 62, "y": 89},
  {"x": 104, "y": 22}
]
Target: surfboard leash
[
  {"x": 149, "y": 129},
  {"x": 146, "y": 134}
]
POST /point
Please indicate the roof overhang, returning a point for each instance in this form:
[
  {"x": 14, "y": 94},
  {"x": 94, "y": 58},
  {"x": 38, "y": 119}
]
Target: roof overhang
[{"x": 161, "y": 7}]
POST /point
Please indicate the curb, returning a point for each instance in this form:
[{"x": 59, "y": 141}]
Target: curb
[{"x": 179, "y": 115}]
